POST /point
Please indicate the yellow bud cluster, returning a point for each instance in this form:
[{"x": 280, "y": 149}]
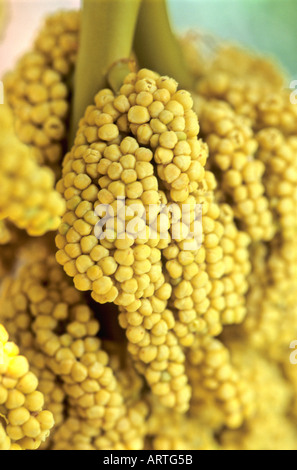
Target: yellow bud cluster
[
  {"x": 131, "y": 384},
  {"x": 239, "y": 62},
  {"x": 58, "y": 40},
  {"x": 204, "y": 406},
  {"x": 27, "y": 195},
  {"x": 209, "y": 364},
  {"x": 275, "y": 109},
  {"x": 104, "y": 166},
  {"x": 5, "y": 442},
  {"x": 242, "y": 94},
  {"x": 209, "y": 59},
  {"x": 78, "y": 434},
  {"x": 137, "y": 158},
  {"x": 37, "y": 89},
  {"x": 262, "y": 433},
  {"x": 18, "y": 324},
  {"x": 58, "y": 333},
  {"x": 254, "y": 89},
  {"x": 278, "y": 154},
  {"x": 253, "y": 86},
  {"x": 272, "y": 291},
  {"x": 19, "y": 249},
  {"x": 171, "y": 431},
  {"x": 235, "y": 245},
  {"x": 49, "y": 385},
  {"x": 195, "y": 273},
  {"x": 232, "y": 150},
  {"x": 269, "y": 428},
  {"x": 27, "y": 424}
]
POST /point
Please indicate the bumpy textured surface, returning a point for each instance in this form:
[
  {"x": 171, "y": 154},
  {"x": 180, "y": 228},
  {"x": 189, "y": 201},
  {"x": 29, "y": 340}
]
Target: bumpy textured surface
[
  {"x": 210, "y": 368},
  {"x": 233, "y": 148},
  {"x": 27, "y": 194},
  {"x": 109, "y": 169},
  {"x": 195, "y": 351},
  {"x": 25, "y": 423},
  {"x": 38, "y": 90},
  {"x": 269, "y": 428},
  {"x": 57, "y": 332}
]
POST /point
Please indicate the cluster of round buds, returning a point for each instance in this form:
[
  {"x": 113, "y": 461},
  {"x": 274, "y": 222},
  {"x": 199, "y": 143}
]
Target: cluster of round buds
[
  {"x": 162, "y": 117},
  {"x": 195, "y": 272},
  {"x": 5, "y": 442},
  {"x": 131, "y": 383},
  {"x": 109, "y": 244},
  {"x": 204, "y": 406},
  {"x": 58, "y": 40},
  {"x": 171, "y": 431},
  {"x": 18, "y": 323},
  {"x": 27, "y": 425},
  {"x": 214, "y": 371},
  {"x": 272, "y": 291},
  {"x": 276, "y": 109},
  {"x": 252, "y": 86},
  {"x": 240, "y": 63},
  {"x": 240, "y": 78},
  {"x": 127, "y": 269},
  {"x": 235, "y": 245},
  {"x": 105, "y": 166},
  {"x": 78, "y": 434},
  {"x": 180, "y": 160},
  {"x": 58, "y": 331},
  {"x": 267, "y": 432},
  {"x": 278, "y": 155},
  {"x": 242, "y": 94},
  {"x": 272, "y": 391},
  {"x": 232, "y": 150},
  {"x": 50, "y": 385},
  {"x": 213, "y": 265},
  {"x": 37, "y": 89},
  {"x": 27, "y": 195},
  {"x": 269, "y": 427},
  {"x": 259, "y": 324}
]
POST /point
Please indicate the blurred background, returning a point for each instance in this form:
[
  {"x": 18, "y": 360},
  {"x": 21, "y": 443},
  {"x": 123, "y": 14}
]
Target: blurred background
[{"x": 268, "y": 26}]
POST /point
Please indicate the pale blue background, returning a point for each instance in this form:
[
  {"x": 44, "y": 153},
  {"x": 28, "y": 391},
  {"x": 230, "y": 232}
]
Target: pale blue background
[{"x": 269, "y": 26}]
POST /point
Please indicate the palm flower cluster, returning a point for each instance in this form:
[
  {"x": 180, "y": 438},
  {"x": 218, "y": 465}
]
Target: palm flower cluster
[
  {"x": 160, "y": 313},
  {"x": 27, "y": 195},
  {"x": 37, "y": 89}
]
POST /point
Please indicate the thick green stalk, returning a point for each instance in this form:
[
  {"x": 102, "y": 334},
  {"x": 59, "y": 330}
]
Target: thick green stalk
[
  {"x": 156, "y": 46},
  {"x": 107, "y": 32}
]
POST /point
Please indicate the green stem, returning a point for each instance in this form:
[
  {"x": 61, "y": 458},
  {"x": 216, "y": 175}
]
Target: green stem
[
  {"x": 107, "y": 32},
  {"x": 117, "y": 74},
  {"x": 156, "y": 46}
]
